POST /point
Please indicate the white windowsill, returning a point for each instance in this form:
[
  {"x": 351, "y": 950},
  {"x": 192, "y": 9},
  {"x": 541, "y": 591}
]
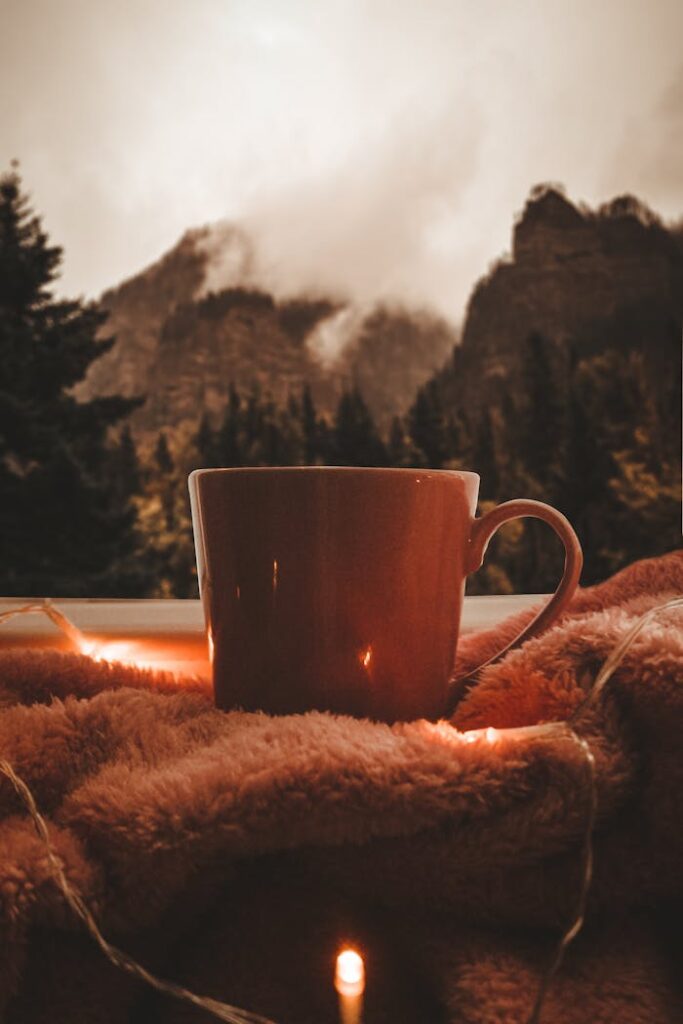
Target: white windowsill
[
  {"x": 139, "y": 617},
  {"x": 170, "y": 633}
]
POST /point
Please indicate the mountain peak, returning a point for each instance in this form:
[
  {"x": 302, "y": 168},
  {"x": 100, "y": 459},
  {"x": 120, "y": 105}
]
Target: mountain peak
[
  {"x": 229, "y": 257},
  {"x": 203, "y": 317}
]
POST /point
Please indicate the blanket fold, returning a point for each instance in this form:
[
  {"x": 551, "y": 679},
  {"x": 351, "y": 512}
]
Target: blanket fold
[{"x": 235, "y": 852}]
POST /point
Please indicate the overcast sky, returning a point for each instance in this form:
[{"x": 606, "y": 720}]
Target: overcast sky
[{"x": 378, "y": 148}]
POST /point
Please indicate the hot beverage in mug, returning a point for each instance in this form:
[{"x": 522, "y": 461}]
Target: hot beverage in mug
[{"x": 341, "y": 589}]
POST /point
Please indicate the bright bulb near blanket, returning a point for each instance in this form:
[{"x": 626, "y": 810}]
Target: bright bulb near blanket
[
  {"x": 129, "y": 652},
  {"x": 349, "y": 981},
  {"x": 176, "y": 659}
]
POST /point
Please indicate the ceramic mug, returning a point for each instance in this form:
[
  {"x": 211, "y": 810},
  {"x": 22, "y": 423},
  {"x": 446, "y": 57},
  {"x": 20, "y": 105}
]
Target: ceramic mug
[{"x": 341, "y": 589}]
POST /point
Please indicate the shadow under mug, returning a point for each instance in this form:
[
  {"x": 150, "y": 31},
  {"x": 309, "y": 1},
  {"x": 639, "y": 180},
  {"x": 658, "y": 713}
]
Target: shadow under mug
[{"x": 341, "y": 589}]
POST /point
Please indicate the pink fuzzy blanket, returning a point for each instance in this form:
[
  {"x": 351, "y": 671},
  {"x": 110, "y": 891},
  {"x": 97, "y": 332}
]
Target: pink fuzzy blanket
[{"x": 234, "y": 853}]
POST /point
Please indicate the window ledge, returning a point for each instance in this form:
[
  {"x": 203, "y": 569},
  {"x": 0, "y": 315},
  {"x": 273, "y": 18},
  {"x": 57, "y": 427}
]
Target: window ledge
[{"x": 170, "y": 633}]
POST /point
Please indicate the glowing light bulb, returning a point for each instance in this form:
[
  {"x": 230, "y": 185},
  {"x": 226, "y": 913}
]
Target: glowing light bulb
[
  {"x": 491, "y": 734},
  {"x": 349, "y": 981},
  {"x": 350, "y": 974}
]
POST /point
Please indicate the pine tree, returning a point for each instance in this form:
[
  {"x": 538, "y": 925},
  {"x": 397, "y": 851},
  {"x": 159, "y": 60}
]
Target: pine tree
[
  {"x": 625, "y": 495},
  {"x": 125, "y": 466},
  {"x": 206, "y": 443},
  {"x": 487, "y": 457},
  {"x": 428, "y": 426},
  {"x": 457, "y": 441},
  {"x": 64, "y": 529},
  {"x": 162, "y": 455},
  {"x": 401, "y": 452},
  {"x": 545, "y": 425},
  {"x": 165, "y": 515},
  {"x": 274, "y": 436},
  {"x": 509, "y": 566},
  {"x": 229, "y": 436},
  {"x": 167, "y": 482},
  {"x": 311, "y": 428},
  {"x": 356, "y": 441},
  {"x": 253, "y": 422}
]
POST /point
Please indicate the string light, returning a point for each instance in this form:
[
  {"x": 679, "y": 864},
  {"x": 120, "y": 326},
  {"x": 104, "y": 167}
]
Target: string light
[
  {"x": 60, "y": 620},
  {"x": 123, "y": 652},
  {"x": 608, "y": 669},
  {"x": 222, "y": 1011},
  {"x": 586, "y": 878},
  {"x": 349, "y": 981}
]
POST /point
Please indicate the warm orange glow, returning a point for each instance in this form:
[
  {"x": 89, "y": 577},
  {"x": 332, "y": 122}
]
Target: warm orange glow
[
  {"x": 275, "y": 573},
  {"x": 365, "y": 657},
  {"x": 125, "y": 652},
  {"x": 447, "y": 733},
  {"x": 349, "y": 979},
  {"x": 141, "y": 654},
  {"x": 441, "y": 731},
  {"x": 209, "y": 640}
]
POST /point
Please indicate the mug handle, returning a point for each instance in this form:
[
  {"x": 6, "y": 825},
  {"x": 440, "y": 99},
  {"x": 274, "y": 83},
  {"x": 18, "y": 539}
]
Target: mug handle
[{"x": 480, "y": 534}]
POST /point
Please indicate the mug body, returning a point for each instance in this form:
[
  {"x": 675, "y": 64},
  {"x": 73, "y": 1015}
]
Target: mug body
[{"x": 333, "y": 588}]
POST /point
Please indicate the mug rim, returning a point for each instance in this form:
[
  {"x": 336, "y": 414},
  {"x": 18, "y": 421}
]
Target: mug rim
[{"x": 367, "y": 470}]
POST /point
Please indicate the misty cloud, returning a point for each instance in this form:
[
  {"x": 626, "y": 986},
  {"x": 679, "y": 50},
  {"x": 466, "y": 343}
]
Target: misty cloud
[
  {"x": 376, "y": 150},
  {"x": 332, "y": 335},
  {"x": 364, "y": 232},
  {"x": 230, "y": 258},
  {"x": 649, "y": 157}
]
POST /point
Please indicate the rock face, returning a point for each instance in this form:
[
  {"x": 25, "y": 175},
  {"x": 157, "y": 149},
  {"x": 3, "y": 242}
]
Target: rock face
[
  {"x": 582, "y": 279},
  {"x": 181, "y": 347},
  {"x": 236, "y": 336},
  {"x": 137, "y": 310}
]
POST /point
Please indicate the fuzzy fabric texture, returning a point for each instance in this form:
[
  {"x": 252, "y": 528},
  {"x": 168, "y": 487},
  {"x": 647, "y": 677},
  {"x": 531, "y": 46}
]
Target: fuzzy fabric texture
[{"x": 234, "y": 852}]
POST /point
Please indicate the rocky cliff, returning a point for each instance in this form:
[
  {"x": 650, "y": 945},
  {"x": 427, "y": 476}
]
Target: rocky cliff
[
  {"x": 181, "y": 347},
  {"x": 583, "y": 280}
]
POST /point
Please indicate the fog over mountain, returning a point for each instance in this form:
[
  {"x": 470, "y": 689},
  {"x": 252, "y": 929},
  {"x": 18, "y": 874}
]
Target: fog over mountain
[
  {"x": 213, "y": 312},
  {"x": 210, "y": 314},
  {"x": 376, "y": 150}
]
